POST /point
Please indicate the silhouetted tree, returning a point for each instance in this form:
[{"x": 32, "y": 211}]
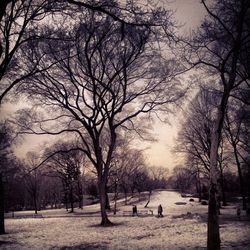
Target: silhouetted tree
[
  {"x": 8, "y": 167},
  {"x": 97, "y": 85},
  {"x": 184, "y": 178},
  {"x": 194, "y": 138},
  {"x": 66, "y": 165},
  {"x": 220, "y": 48},
  {"x": 23, "y": 22},
  {"x": 19, "y": 22},
  {"x": 126, "y": 162},
  {"x": 235, "y": 130},
  {"x": 33, "y": 179}
]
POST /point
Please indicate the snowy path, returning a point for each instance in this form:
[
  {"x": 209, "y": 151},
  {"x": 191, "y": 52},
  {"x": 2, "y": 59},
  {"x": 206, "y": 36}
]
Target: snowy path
[{"x": 172, "y": 203}]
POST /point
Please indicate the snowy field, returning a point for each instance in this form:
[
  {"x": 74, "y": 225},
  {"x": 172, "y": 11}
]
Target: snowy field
[{"x": 182, "y": 227}]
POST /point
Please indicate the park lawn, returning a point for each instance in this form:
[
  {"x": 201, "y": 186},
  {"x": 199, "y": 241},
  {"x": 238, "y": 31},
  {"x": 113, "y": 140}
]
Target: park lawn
[{"x": 182, "y": 227}]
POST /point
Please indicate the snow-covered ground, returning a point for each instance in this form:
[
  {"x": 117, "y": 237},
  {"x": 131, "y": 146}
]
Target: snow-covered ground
[{"x": 182, "y": 227}]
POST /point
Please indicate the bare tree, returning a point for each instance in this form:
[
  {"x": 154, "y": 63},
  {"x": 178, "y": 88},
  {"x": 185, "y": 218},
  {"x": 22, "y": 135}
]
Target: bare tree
[
  {"x": 183, "y": 177},
  {"x": 66, "y": 165},
  {"x": 194, "y": 139},
  {"x": 16, "y": 19},
  {"x": 23, "y": 21},
  {"x": 105, "y": 82},
  {"x": 4, "y": 148},
  {"x": 126, "y": 165},
  {"x": 20, "y": 23},
  {"x": 51, "y": 191},
  {"x": 33, "y": 179},
  {"x": 221, "y": 49},
  {"x": 235, "y": 130},
  {"x": 8, "y": 166},
  {"x": 159, "y": 175}
]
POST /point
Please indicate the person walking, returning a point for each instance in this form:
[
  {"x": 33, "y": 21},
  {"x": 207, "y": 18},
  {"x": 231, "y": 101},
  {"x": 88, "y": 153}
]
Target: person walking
[
  {"x": 160, "y": 210},
  {"x": 135, "y": 211}
]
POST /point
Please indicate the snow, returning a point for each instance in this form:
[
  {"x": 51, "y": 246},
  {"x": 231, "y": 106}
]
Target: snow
[{"x": 182, "y": 227}]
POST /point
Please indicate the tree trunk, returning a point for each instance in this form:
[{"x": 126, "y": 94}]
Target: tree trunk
[
  {"x": 71, "y": 198},
  {"x": 213, "y": 237},
  {"x": 35, "y": 203},
  {"x": 213, "y": 233},
  {"x": 102, "y": 191},
  {"x": 198, "y": 186},
  {"x": 116, "y": 196},
  {"x": 66, "y": 199},
  {"x": 149, "y": 196},
  {"x": 80, "y": 197},
  {"x": 2, "y": 226},
  {"x": 241, "y": 180},
  {"x": 222, "y": 182},
  {"x": 107, "y": 205},
  {"x": 228, "y": 73}
]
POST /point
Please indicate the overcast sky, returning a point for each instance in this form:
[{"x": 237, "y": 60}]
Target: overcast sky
[{"x": 189, "y": 13}]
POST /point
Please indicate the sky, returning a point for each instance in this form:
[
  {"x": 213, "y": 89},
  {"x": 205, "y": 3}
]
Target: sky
[{"x": 189, "y": 13}]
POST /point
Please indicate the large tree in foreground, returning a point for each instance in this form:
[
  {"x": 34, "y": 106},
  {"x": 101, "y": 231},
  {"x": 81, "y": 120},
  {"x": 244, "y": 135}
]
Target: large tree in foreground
[
  {"x": 101, "y": 81},
  {"x": 221, "y": 49},
  {"x": 4, "y": 148},
  {"x": 8, "y": 167}
]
